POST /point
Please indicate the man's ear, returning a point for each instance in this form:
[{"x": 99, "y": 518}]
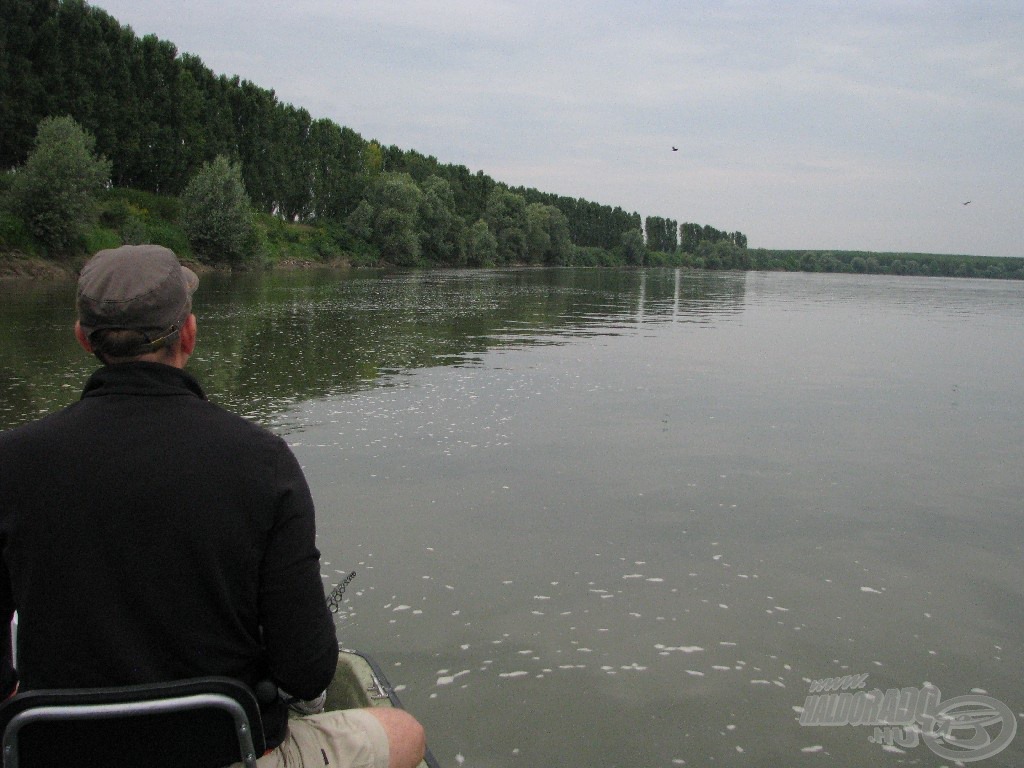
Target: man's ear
[
  {"x": 188, "y": 335},
  {"x": 83, "y": 340}
]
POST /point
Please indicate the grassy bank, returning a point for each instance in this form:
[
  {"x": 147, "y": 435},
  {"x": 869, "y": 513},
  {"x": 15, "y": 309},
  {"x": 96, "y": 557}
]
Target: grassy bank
[{"x": 131, "y": 216}]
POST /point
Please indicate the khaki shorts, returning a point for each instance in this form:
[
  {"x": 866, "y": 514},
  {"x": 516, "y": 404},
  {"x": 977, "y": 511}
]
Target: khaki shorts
[{"x": 339, "y": 739}]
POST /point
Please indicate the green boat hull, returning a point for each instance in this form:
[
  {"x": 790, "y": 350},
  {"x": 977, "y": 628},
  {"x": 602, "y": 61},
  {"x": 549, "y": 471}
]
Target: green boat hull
[{"x": 360, "y": 682}]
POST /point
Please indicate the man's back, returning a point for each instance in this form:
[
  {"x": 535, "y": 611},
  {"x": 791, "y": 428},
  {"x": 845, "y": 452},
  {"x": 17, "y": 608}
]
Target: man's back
[
  {"x": 151, "y": 535},
  {"x": 147, "y": 535}
]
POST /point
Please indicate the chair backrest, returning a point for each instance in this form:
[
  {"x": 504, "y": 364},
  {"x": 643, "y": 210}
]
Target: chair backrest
[{"x": 205, "y": 722}]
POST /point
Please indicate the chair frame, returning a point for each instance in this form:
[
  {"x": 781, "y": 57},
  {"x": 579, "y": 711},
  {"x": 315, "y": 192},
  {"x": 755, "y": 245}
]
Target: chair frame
[{"x": 125, "y": 702}]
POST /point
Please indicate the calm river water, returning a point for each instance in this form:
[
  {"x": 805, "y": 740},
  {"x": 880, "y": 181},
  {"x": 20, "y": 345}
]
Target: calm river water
[{"x": 626, "y": 518}]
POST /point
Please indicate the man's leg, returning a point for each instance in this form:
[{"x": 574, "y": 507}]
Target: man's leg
[
  {"x": 372, "y": 737},
  {"x": 406, "y": 738}
]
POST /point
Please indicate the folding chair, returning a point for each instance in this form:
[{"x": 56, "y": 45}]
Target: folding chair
[{"x": 206, "y": 722}]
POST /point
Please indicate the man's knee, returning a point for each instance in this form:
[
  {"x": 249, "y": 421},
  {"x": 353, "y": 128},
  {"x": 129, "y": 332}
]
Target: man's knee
[{"x": 406, "y": 738}]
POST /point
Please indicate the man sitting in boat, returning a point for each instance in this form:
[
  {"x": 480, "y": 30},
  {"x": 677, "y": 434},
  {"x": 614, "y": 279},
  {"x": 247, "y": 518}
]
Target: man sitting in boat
[{"x": 149, "y": 535}]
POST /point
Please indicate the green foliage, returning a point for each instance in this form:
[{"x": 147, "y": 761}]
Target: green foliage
[
  {"x": 55, "y": 191},
  {"x": 633, "y": 249},
  {"x": 506, "y": 219},
  {"x": 217, "y": 216},
  {"x": 14, "y": 235},
  {"x": 442, "y": 230},
  {"x": 360, "y": 221},
  {"x": 395, "y": 203},
  {"x": 661, "y": 234},
  {"x": 101, "y": 238},
  {"x": 862, "y": 262},
  {"x": 547, "y": 235},
  {"x": 592, "y": 256},
  {"x": 482, "y": 247},
  {"x": 692, "y": 235}
]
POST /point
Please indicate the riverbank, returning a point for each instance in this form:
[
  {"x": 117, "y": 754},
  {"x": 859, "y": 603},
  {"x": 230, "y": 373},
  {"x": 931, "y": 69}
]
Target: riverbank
[
  {"x": 15, "y": 266},
  {"x": 295, "y": 256},
  {"x": 18, "y": 265}
]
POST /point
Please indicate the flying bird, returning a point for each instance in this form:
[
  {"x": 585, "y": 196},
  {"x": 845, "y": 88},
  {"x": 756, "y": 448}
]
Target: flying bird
[
  {"x": 968, "y": 202},
  {"x": 675, "y": 149}
]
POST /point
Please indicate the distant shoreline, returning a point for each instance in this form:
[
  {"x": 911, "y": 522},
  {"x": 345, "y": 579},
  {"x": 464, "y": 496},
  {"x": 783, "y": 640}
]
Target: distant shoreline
[{"x": 19, "y": 266}]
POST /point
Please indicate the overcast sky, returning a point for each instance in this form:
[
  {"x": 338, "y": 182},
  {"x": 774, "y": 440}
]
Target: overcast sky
[{"x": 853, "y": 126}]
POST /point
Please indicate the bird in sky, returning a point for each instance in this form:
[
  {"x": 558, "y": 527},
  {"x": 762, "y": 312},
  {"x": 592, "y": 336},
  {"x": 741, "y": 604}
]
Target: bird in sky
[
  {"x": 968, "y": 202},
  {"x": 675, "y": 149}
]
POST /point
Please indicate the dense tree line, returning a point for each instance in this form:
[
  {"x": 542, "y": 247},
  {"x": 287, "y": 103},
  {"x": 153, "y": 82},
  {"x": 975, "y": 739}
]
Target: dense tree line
[
  {"x": 862, "y": 262},
  {"x": 152, "y": 123},
  {"x": 692, "y": 235},
  {"x": 158, "y": 117},
  {"x": 661, "y": 234}
]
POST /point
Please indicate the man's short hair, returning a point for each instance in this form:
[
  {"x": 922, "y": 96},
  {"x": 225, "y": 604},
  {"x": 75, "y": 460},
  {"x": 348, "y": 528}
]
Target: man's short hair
[{"x": 134, "y": 300}]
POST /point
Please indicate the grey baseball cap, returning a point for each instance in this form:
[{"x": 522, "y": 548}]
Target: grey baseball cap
[{"x": 136, "y": 287}]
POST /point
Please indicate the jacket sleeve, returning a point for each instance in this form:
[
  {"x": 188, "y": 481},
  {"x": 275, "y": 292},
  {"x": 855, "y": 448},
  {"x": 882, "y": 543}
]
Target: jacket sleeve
[{"x": 298, "y": 629}]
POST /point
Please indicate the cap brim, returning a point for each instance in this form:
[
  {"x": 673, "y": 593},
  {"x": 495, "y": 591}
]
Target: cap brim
[{"x": 191, "y": 280}]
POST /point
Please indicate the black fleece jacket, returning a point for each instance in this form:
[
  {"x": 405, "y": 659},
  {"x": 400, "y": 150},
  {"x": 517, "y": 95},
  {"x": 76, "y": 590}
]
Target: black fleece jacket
[{"x": 149, "y": 535}]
